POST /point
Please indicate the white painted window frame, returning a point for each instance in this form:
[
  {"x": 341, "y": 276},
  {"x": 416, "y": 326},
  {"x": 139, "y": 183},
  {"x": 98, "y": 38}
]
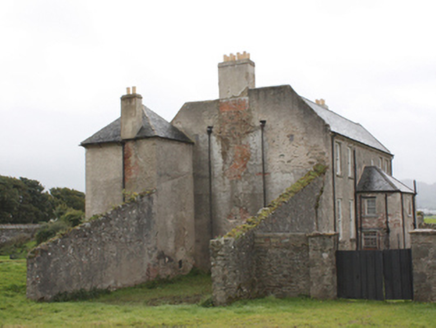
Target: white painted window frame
[{"x": 367, "y": 207}]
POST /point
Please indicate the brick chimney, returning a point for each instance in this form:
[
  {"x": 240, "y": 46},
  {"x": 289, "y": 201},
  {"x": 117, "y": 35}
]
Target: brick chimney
[
  {"x": 131, "y": 114},
  {"x": 235, "y": 74}
]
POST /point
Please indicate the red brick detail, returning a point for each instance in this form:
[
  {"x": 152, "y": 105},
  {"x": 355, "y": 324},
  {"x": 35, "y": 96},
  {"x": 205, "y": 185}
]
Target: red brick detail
[
  {"x": 131, "y": 168},
  {"x": 236, "y": 104}
]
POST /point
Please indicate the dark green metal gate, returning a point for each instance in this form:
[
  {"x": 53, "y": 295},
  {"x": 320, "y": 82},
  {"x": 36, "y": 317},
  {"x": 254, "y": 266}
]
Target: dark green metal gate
[{"x": 375, "y": 275}]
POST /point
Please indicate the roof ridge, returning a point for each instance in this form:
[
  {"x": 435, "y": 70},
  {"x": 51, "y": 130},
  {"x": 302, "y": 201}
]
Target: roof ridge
[
  {"x": 384, "y": 176},
  {"x": 150, "y": 123},
  {"x": 345, "y": 127},
  {"x": 389, "y": 177},
  {"x": 334, "y": 112}
]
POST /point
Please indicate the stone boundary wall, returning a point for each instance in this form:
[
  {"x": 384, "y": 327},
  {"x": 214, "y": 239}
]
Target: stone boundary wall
[
  {"x": 282, "y": 264},
  {"x": 233, "y": 268},
  {"x": 322, "y": 263},
  {"x": 424, "y": 264},
  {"x": 118, "y": 249},
  {"x": 271, "y": 259},
  {"x": 279, "y": 264},
  {"x": 10, "y": 231}
]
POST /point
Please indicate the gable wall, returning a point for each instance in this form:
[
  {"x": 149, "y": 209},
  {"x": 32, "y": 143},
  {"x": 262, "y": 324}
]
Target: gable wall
[{"x": 295, "y": 139}]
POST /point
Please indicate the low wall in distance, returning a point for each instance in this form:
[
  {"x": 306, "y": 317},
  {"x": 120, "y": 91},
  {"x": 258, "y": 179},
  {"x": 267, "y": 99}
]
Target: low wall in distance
[{"x": 9, "y": 232}]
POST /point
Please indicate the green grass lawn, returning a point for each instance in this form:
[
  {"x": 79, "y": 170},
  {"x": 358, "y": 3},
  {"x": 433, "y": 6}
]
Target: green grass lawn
[
  {"x": 430, "y": 219},
  {"x": 177, "y": 303}
]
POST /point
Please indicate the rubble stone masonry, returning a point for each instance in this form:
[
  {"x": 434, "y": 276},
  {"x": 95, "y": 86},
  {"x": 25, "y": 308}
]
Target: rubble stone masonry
[
  {"x": 281, "y": 256},
  {"x": 424, "y": 264}
]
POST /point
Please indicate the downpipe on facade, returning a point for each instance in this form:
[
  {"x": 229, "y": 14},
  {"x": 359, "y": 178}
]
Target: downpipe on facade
[
  {"x": 209, "y": 136},
  {"x": 262, "y": 127}
]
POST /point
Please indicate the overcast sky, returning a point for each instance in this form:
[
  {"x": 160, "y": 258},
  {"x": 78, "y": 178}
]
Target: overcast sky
[{"x": 65, "y": 64}]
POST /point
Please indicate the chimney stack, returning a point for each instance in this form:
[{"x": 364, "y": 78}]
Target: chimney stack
[
  {"x": 131, "y": 114},
  {"x": 235, "y": 74},
  {"x": 321, "y": 102}
]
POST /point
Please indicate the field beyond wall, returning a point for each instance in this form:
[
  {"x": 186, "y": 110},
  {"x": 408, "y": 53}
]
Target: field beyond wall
[{"x": 184, "y": 303}]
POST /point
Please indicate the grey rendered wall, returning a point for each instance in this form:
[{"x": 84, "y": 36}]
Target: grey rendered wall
[
  {"x": 149, "y": 164},
  {"x": 424, "y": 264},
  {"x": 193, "y": 119},
  {"x": 116, "y": 250},
  {"x": 104, "y": 178},
  {"x": 175, "y": 204},
  {"x": 295, "y": 139},
  {"x": 140, "y": 164}
]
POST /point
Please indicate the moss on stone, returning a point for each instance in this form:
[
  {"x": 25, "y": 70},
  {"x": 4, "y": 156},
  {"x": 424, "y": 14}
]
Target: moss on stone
[
  {"x": 133, "y": 198},
  {"x": 254, "y": 221}
]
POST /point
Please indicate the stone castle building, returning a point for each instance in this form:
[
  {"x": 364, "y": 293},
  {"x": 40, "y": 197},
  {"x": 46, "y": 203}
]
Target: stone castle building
[{"x": 220, "y": 165}]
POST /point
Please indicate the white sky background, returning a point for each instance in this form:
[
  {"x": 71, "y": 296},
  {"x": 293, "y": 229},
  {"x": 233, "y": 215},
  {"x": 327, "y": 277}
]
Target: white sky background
[{"x": 65, "y": 64}]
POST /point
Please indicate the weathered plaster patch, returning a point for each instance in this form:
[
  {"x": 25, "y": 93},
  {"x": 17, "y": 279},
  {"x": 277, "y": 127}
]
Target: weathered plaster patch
[{"x": 241, "y": 157}]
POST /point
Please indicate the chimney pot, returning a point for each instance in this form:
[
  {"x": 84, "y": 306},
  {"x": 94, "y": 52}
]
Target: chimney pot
[
  {"x": 321, "y": 102},
  {"x": 128, "y": 90},
  {"x": 134, "y": 90}
]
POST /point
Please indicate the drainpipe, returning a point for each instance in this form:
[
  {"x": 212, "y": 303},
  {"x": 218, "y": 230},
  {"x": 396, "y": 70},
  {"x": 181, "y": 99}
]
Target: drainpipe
[
  {"x": 388, "y": 230},
  {"x": 356, "y": 217},
  {"x": 123, "y": 145},
  {"x": 414, "y": 205},
  {"x": 402, "y": 218},
  {"x": 333, "y": 182},
  {"x": 262, "y": 127},
  {"x": 209, "y": 132}
]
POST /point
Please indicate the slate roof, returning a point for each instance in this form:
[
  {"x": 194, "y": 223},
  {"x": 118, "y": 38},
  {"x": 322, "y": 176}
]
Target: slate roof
[
  {"x": 152, "y": 126},
  {"x": 345, "y": 127},
  {"x": 375, "y": 180}
]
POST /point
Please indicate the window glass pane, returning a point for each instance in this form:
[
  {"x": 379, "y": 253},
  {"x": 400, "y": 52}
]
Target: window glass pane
[
  {"x": 338, "y": 158},
  {"x": 370, "y": 206},
  {"x": 370, "y": 240},
  {"x": 350, "y": 162}
]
